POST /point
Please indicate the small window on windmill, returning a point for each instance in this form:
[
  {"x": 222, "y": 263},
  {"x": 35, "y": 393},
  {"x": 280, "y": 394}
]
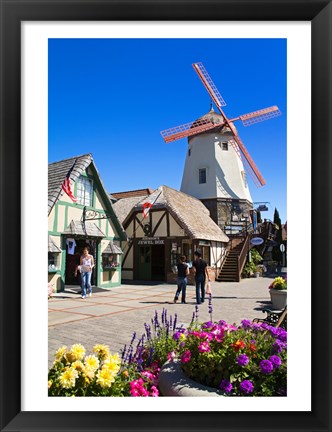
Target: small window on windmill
[
  {"x": 189, "y": 151},
  {"x": 202, "y": 175},
  {"x": 244, "y": 178},
  {"x": 225, "y": 145}
]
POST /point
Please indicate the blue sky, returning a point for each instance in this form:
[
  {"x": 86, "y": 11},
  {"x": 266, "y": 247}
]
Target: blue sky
[{"x": 112, "y": 97}]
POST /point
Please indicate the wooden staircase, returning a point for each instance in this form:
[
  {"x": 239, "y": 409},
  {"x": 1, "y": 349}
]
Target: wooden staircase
[
  {"x": 239, "y": 247},
  {"x": 230, "y": 269}
]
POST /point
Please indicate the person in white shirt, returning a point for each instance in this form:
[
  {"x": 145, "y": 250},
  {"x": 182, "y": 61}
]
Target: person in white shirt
[{"x": 85, "y": 267}]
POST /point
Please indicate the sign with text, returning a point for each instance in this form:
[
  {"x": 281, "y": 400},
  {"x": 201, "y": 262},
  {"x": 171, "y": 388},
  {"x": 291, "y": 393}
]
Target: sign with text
[
  {"x": 256, "y": 241},
  {"x": 151, "y": 241}
]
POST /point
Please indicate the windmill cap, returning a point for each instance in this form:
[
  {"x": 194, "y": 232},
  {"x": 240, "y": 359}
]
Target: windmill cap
[{"x": 214, "y": 118}]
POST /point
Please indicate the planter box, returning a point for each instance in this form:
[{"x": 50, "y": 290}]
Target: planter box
[
  {"x": 278, "y": 298},
  {"x": 173, "y": 382}
]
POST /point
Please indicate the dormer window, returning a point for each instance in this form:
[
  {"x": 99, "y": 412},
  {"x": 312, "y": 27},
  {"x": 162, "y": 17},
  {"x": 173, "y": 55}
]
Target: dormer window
[
  {"x": 225, "y": 145},
  {"x": 84, "y": 191}
]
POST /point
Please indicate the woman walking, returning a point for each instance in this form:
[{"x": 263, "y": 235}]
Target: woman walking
[
  {"x": 85, "y": 267},
  {"x": 183, "y": 271}
]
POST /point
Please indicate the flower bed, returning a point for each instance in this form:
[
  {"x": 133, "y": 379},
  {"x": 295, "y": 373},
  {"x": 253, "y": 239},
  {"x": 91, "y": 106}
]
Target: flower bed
[{"x": 245, "y": 360}]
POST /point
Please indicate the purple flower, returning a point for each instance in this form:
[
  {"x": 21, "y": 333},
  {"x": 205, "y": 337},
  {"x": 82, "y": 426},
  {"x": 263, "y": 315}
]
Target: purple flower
[
  {"x": 246, "y": 324},
  {"x": 266, "y": 366},
  {"x": 208, "y": 325},
  {"x": 282, "y": 334},
  {"x": 242, "y": 360},
  {"x": 222, "y": 322},
  {"x": 176, "y": 335},
  {"x": 278, "y": 346},
  {"x": 226, "y": 386},
  {"x": 246, "y": 386},
  {"x": 275, "y": 360}
]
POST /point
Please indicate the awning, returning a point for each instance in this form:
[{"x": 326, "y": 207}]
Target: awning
[
  {"x": 52, "y": 247},
  {"x": 77, "y": 228},
  {"x": 112, "y": 249}
]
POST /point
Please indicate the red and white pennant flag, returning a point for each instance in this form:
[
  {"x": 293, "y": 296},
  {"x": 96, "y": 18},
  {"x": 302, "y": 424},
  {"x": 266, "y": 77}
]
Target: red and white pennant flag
[
  {"x": 148, "y": 204},
  {"x": 66, "y": 184},
  {"x": 146, "y": 208}
]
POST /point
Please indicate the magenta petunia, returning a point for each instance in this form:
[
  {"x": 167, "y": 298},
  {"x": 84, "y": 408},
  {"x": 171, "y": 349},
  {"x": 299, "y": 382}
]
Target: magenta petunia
[
  {"x": 186, "y": 356},
  {"x": 204, "y": 347}
]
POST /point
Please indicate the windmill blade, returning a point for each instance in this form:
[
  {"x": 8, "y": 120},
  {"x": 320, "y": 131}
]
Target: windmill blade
[
  {"x": 246, "y": 166},
  {"x": 248, "y": 161},
  {"x": 259, "y": 116},
  {"x": 209, "y": 84},
  {"x": 187, "y": 129}
]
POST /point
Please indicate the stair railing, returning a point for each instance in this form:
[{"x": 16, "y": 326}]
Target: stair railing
[{"x": 241, "y": 260}]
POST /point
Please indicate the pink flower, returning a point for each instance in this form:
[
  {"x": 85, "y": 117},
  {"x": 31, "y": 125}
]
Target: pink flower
[
  {"x": 204, "y": 347},
  {"x": 137, "y": 388},
  {"x": 186, "y": 356},
  {"x": 150, "y": 376},
  {"x": 154, "y": 392},
  {"x": 171, "y": 356}
]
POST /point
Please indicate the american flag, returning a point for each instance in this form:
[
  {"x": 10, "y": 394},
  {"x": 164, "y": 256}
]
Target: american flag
[{"x": 66, "y": 184}]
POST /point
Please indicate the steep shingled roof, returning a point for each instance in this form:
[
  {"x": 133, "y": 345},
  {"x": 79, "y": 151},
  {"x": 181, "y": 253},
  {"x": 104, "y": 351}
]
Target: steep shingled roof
[
  {"x": 189, "y": 212},
  {"x": 57, "y": 172},
  {"x": 123, "y": 206}
]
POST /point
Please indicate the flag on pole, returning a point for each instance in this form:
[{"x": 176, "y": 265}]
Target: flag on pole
[
  {"x": 148, "y": 204},
  {"x": 66, "y": 184},
  {"x": 146, "y": 209}
]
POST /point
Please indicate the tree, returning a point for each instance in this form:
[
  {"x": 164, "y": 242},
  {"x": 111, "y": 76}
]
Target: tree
[{"x": 276, "y": 253}]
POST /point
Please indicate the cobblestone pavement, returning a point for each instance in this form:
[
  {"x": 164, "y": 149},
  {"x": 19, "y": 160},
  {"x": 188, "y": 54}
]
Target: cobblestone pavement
[{"x": 111, "y": 316}]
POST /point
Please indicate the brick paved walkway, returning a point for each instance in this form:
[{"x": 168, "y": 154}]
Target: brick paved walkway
[{"x": 111, "y": 316}]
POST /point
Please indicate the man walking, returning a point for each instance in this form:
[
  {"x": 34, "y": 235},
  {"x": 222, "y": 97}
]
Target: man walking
[{"x": 201, "y": 274}]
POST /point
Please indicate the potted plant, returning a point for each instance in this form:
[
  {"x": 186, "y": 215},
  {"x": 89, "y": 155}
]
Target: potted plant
[
  {"x": 260, "y": 268},
  {"x": 278, "y": 293}
]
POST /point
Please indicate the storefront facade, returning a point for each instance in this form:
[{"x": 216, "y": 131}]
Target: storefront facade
[
  {"x": 176, "y": 225},
  {"x": 89, "y": 222}
]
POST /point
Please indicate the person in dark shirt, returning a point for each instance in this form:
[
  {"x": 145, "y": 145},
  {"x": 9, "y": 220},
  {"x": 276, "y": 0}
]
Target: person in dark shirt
[
  {"x": 183, "y": 271},
  {"x": 201, "y": 274}
]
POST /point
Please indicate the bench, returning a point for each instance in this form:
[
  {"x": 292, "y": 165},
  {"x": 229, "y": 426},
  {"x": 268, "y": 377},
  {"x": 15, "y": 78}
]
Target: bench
[{"x": 276, "y": 318}]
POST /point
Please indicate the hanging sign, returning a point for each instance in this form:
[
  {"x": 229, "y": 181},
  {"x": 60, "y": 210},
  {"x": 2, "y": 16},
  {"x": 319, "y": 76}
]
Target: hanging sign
[{"x": 256, "y": 241}]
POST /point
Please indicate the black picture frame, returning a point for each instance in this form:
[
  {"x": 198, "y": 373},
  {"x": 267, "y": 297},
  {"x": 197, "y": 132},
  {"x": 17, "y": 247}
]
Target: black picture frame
[{"x": 319, "y": 13}]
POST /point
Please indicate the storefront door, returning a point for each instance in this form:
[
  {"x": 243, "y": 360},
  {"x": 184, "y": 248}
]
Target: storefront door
[
  {"x": 158, "y": 263},
  {"x": 74, "y": 248},
  {"x": 144, "y": 267}
]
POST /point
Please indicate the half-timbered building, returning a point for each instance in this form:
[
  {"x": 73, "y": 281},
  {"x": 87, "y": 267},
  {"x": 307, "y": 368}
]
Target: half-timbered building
[
  {"x": 161, "y": 227},
  {"x": 85, "y": 219}
]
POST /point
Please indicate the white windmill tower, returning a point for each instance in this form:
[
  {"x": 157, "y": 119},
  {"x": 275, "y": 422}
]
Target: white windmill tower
[{"x": 217, "y": 161}]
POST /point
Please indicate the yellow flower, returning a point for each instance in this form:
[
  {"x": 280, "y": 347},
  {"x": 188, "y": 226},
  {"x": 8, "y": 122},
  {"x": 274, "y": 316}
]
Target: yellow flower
[
  {"x": 70, "y": 357},
  {"x": 89, "y": 373},
  {"x": 68, "y": 377},
  {"x": 92, "y": 362},
  {"x": 102, "y": 350},
  {"x": 78, "y": 365},
  {"x": 78, "y": 351},
  {"x": 112, "y": 363},
  {"x": 50, "y": 382},
  {"x": 105, "y": 378},
  {"x": 61, "y": 351},
  {"x": 182, "y": 337}
]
